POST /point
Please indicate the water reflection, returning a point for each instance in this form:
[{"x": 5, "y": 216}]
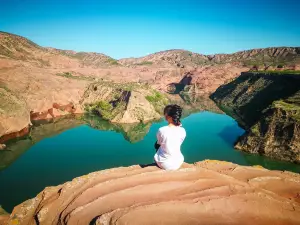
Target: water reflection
[
  {"x": 41, "y": 130},
  {"x": 194, "y": 103},
  {"x": 272, "y": 164},
  {"x": 133, "y": 133}
]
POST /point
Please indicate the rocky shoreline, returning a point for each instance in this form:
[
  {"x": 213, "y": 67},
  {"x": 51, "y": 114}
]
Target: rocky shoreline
[
  {"x": 206, "y": 192},
  {"x": 117, "y": 103}
]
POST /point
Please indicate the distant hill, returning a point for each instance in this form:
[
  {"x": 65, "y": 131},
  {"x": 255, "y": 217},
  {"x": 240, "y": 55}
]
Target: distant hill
[
  {"x": 19, "y": 48},
  {"x": 255, "y": 57}
]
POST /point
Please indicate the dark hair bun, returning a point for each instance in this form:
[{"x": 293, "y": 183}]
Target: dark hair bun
[{"x": 175, "y": 112}]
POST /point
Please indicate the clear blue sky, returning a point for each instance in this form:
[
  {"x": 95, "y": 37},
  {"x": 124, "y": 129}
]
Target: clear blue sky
[{"x": 121, "y": 28}]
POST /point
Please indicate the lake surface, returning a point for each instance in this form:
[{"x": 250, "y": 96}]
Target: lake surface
[{"x": 56, "y": 152}]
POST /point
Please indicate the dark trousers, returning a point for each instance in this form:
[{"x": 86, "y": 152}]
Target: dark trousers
[{"x": 156, "y": 146}]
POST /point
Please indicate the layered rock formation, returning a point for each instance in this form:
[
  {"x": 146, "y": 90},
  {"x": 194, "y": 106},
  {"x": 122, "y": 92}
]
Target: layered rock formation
[
  {"x": 206, "y": 79},
  {"x": 268, "y": 107},
  {"x": 208, "y": 192},
  {"x": 40, "y": 96},
  {"x": 14, "y": 112},
  {"x": 126, "y": 103},
  {"x": 205, "y": 73}
]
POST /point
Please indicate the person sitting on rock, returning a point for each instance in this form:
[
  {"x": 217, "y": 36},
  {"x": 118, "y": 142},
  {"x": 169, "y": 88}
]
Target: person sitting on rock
[{"x": 169, "y": 139}]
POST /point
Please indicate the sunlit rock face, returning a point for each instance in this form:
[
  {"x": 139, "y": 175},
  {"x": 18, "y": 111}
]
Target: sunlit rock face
[{"x": 208, "y": 192}]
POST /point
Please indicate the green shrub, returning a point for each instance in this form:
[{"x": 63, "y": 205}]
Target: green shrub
[
  {"x": 70, "y": 75},
  {"x": 112, "y": 61},
  {"x": 78, "y": 55},
  {"x": 144, "y": 63},
  {"x": 156, "y": 97},
  {"x": 279, "y": 72},
  {"x": 104, "y": 105},
  {"x": 157, "y": 100},
  {"x": 292, "y": 108},
  {"x": 255, "y": 129}
]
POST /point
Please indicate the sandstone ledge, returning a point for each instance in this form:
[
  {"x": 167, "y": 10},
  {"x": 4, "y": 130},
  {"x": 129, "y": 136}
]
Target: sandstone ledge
[{"x": 208, "y": 192}]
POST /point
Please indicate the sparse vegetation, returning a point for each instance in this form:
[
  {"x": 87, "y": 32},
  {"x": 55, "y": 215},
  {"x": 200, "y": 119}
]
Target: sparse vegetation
[
  {"x": 102, "y": 107},
  {"x": 4, "y": 87},
  {"x": 125, "y": 86},
  {"x": 255, "y": 129},
  {"x": 71, "y": 76},
  {"x": 156, "y": 97},
  {"x": 279, "y": 72},
  {"x": 106, "y": 109},
  {"x": 293, "y": 109},
  {"x": 44, "y": 63},
  {"x": 158, "y": 100},
  {"x": 78, "y": 55},
  {"x": 113, "y": 106},
  {"x": 144, "y": 63},
  {"x": 11, "y": 104},
  {"x": 112, "y": 61}
]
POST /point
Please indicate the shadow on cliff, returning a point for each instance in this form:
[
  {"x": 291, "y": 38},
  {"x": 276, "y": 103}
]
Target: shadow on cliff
[
  {"x": 253, "y": 93},
  {"x": 176, "y": 88},
  {"x": 230, "y": 134}
]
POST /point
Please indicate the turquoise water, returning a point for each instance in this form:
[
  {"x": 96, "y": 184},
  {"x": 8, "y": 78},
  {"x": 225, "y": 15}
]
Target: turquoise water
[{"x": 67, "y": 153}]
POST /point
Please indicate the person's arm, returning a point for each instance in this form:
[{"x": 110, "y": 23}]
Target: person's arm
[
  {"x": 158, "y": 142},
  {"x": 158, "y": 137},
  {"x": 183, "y": 136}
]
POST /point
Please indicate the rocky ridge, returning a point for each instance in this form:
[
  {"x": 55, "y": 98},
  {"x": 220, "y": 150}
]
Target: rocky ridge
[
  {"x": 204, "y": 193},
  {"x": 16, "y": 47}
]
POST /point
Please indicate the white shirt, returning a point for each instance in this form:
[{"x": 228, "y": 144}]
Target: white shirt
[{"x": 170, "y": 138}]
